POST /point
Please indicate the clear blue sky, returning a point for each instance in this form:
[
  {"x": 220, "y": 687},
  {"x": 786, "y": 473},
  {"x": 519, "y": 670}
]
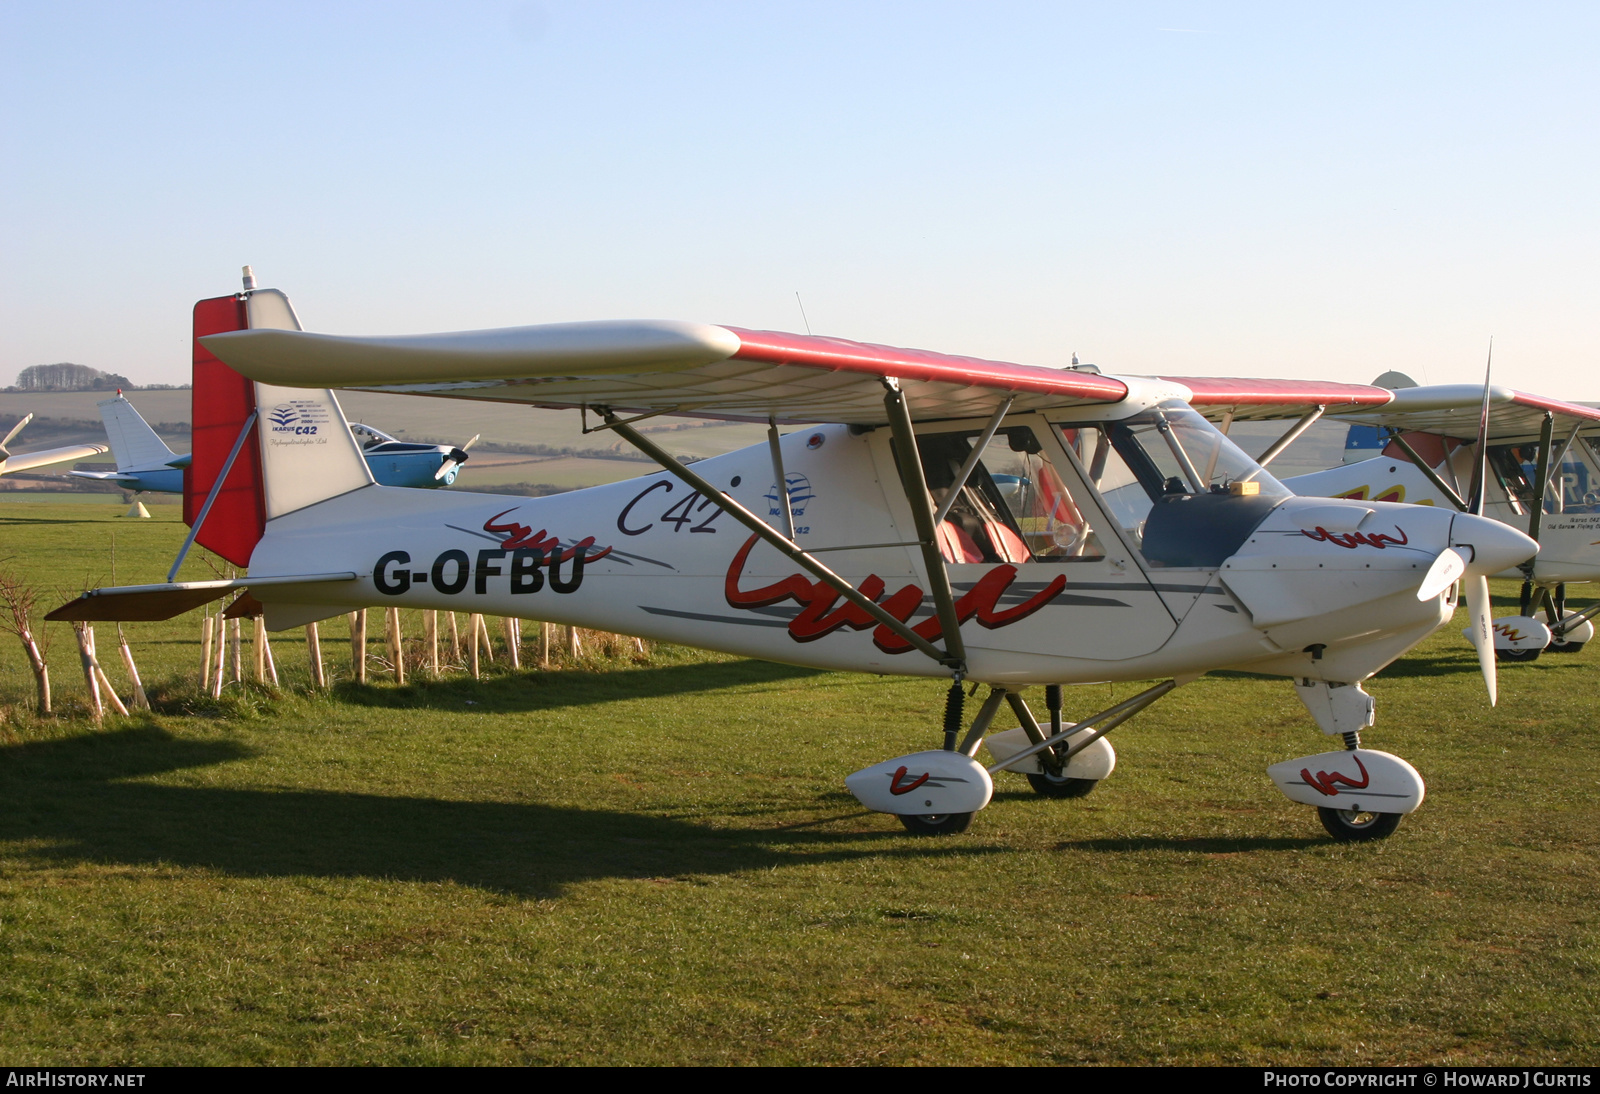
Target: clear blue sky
[{"x": 1259, "y": 189}]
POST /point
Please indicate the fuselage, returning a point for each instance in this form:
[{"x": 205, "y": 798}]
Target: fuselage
[
  {"x": 1063, "y": 572},
  {"x": 1569, "y": 528}
]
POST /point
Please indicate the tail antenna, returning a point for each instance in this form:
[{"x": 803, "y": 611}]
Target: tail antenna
[{"x": 249, "y": 279}]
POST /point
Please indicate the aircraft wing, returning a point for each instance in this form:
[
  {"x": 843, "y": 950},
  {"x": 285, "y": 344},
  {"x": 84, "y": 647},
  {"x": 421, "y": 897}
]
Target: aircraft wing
[
  {"x": 1245, "y": 399},
  {"x": 27, "y": 461},
  {"x": 1451, "y": 410},
  {"x": 712, "y": 371}
]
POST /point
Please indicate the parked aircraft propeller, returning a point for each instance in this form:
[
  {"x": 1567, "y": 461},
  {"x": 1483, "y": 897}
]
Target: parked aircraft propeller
[
  {"x": 456, "y": 458},
  {"x": 1477, "y": 590},
  {"x": 1479, "y": 608}
]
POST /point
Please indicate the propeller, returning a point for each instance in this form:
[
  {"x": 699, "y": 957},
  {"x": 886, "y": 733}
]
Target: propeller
[
  {"x": 5, "y": 453},
  {"x": 455, "y": 458},
  {"x": 1445, "y": 572},
  {"x": 1477, "y": 588},
  {"x": 1479, "y": 608},
  {"x": 1480, "y": 464}
]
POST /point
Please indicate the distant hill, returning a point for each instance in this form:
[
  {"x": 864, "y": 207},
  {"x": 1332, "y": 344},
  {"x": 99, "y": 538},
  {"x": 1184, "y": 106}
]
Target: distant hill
[{"x": 66, "y": 376}]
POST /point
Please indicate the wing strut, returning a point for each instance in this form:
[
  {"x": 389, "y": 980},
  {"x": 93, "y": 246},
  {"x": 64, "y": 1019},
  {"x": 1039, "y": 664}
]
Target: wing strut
[
  {"x": 916, "y": 488},
  {"x": 216, "y": 488},
  {"x": 1541, "y": 486},
  {"x": 1433, "y": 476},
  {"x": 784, "y": 545},
  {"x": 1291, "y": 436},
  {"x": 1541, "y": 478},
  {"x": 1555, "y": 467},
  {"x": 780, "y": 476},
  {"x": 972, "y": 459}
]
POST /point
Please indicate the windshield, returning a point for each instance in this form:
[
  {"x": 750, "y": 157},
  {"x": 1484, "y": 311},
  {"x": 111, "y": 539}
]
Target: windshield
[{"x": 1177, "y": 486}]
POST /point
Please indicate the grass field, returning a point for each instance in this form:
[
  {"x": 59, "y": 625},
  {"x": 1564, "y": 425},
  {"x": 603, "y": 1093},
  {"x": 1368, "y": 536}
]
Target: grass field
[{"x": 656, "y": 862}]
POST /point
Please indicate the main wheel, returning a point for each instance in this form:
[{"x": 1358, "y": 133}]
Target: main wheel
[
  {"x": 1060, "y": 786},
  {"x": 935, "y": 824},
  {"x": 1558, "y": 646},
  {"x": 1517, "y": 655},
  {"x": 1356, "y": 825}
]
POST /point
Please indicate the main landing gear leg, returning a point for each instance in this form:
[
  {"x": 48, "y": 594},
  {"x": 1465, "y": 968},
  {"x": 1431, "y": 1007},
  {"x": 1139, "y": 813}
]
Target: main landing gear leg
[
  {"x": 1359, "y": 794},
  {"x": 1568, "y": 631},
  {"x": 1072, "y": 759},
  {"x": 943, "y": 824}
]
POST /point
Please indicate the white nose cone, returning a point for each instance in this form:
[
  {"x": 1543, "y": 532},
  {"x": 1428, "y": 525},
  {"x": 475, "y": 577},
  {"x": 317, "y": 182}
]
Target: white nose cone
[{"x": 1495, "y": 546}]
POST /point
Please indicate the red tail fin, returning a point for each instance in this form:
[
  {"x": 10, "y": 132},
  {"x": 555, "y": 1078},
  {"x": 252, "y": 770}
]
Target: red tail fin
[{"x": 223, "y": 399}]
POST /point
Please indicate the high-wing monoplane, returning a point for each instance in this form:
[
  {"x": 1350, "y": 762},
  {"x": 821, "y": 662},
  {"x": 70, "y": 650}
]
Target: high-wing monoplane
[
  {"x": 27, "y": 461},
  {"x": 146, "y": 464},
  {"x": 954, "y": 518},
  {"x": 1535, "y": 468}
]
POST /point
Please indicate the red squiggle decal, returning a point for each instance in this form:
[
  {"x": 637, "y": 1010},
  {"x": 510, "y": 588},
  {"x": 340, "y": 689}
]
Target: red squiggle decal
[
  {"x": 898, "y": 787},
  {"x": 520, "y": 535},
  {"x": 1352, "y": 540},
  {"x": 1328, "y": 782},
  {"x": 819, "y": 618}
]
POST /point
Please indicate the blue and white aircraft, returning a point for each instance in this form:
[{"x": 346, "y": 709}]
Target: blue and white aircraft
[
  {"x": 410, "y": 463},
  {"x": 146, "y": 464}
]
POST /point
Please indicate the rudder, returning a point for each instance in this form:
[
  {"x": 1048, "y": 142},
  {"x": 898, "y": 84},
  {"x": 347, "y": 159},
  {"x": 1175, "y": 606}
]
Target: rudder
[{"x": 302, "y": 453}]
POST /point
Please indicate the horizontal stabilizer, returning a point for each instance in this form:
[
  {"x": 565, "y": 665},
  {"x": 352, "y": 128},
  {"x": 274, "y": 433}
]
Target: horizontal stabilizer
[
  {"x": 144, "y": 603},
  {"x": 104, "y": 476}
]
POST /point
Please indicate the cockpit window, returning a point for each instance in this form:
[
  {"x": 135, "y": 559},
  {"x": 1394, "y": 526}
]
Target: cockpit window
[
  {"x": 1178, "y": 487},
  {"x": 1013, "y": 507},
  {"x": 1574, "y": 487}
]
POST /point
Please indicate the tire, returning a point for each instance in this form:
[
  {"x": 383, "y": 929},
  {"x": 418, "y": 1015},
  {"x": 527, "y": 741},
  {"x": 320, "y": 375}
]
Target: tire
[
  {"x": 935, "y": 824},
  {"x": 1060, "y": 786},
  {"x": 1517, "y": 655},
  {"x": 1557, "y": 646},
  {"x": 1350, "y": 826}
]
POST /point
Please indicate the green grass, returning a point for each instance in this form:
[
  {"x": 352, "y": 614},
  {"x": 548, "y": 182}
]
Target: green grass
[{"x": 657, "y": 863}]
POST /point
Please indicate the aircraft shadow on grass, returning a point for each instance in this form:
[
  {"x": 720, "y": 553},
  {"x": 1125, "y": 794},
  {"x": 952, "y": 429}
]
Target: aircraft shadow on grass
[
  {"x": 70, "y": 801},
  {"x": 552, "y": 689},
  {"x": 1209, "y": 845}
]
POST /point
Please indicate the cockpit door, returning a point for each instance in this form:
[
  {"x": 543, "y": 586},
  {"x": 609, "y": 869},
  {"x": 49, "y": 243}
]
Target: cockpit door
[{"x": 1023, "y": 506}]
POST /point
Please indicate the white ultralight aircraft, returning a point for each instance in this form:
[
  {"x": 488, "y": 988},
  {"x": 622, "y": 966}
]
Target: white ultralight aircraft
[
  {"x": 949, "y": 517},
  {"x": 1526, "y": 460}
]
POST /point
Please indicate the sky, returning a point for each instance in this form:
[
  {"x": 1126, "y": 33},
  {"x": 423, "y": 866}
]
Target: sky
[{"x": 1299, "y": 190}]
